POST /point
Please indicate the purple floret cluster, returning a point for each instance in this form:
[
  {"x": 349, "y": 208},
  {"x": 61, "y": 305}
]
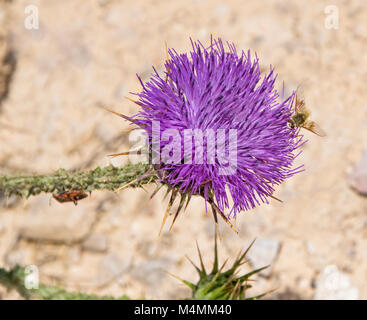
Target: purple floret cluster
[{"x": 215, "y": 88}]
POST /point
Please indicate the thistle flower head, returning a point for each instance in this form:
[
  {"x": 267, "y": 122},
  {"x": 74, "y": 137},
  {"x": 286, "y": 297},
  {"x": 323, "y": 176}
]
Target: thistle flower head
[{"x": 212, "y": 89}]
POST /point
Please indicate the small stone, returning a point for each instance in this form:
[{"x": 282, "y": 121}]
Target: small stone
[
  {"x": 358, "y": 177},
  {"x": 96, "y": 242},
  {"x": 263, "y": 253},
  {"x": 332, "y": 284}
]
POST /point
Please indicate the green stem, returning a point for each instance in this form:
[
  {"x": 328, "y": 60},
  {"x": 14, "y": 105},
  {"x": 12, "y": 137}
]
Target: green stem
[{"x": 107, "y": 178}]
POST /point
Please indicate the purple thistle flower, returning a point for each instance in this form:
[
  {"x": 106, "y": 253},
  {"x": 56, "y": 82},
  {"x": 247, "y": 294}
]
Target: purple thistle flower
[{"x": 210, "y": 88}]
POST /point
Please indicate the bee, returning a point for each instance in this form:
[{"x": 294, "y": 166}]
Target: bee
[
  {"x": 72, "y": 195},
  {"x": 300, "y": 119}
]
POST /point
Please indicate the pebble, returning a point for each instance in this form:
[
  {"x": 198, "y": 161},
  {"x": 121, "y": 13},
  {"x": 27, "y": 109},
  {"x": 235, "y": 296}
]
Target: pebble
[{"x": 332, "y": 284}]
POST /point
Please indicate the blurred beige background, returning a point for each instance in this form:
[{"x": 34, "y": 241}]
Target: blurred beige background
[{"x": 86, "y": 52}]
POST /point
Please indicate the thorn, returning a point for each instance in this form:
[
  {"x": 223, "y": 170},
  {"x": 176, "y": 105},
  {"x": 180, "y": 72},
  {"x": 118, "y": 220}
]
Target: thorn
[
  {"x": 216, "y": 222},
  {"x": 169, "y": 206},
  {"x": 223, "y": 265},
  {"x": 235, "y": 289},
  {"x": 156, "y": 190},
  {"x": 249, "y": 247},
  {"x": 173, "y": 275},
  {"x": 189, "y": 284},
  {"x": 118, "y": 114},
  {"x": 134, "y": 101},
  {"x": 126, "y": 185},
  {"x": 239, "y": 259},
  {"x": 166, "y": 46},
  {"x": 143, "y": 176},
  {"x": 247, "y": 275},
  {"x": 195, "y": 266},
  {"x": 150, "y": 180},
  {"x": 228, "y": 222},
  {"x": 163, "y": 222},
  {"x": 113, "y": 155},
  {"x": 200, "y": 258},
  {"x": 167, "y": 192},
  {"x": 126, "y": 153},
  {"x": 276, "y": 199},
  {"x": 244, "y": 262},
  {"x": 182, "y": 200},
  {"x": 188, "y": 200},
  {"x": 222, "y": 215},
  {"x": 215, "y": 264},
  {"x": 145, "y": 190}
]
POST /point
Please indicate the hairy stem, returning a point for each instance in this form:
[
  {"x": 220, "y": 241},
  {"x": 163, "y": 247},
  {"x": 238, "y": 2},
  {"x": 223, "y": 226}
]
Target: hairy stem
[{"x": 107, "y": 178}]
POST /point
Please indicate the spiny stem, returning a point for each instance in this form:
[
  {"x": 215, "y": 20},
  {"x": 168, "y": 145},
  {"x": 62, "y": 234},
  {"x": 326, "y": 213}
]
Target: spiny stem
[{"x": 106, "y": 178}]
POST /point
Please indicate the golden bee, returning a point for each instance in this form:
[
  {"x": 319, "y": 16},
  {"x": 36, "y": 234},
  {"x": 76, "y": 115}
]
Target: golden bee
[{"x": 301, "y": 116}]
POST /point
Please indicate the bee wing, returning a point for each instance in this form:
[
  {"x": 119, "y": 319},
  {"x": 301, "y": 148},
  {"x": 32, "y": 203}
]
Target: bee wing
[
  {"x": 314, "y": 128},
  {"x": 300, "y": 104}
]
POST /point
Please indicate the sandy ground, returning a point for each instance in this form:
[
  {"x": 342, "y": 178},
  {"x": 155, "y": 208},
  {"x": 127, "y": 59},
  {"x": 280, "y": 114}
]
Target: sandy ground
[{"x": 86, "y": 52}]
